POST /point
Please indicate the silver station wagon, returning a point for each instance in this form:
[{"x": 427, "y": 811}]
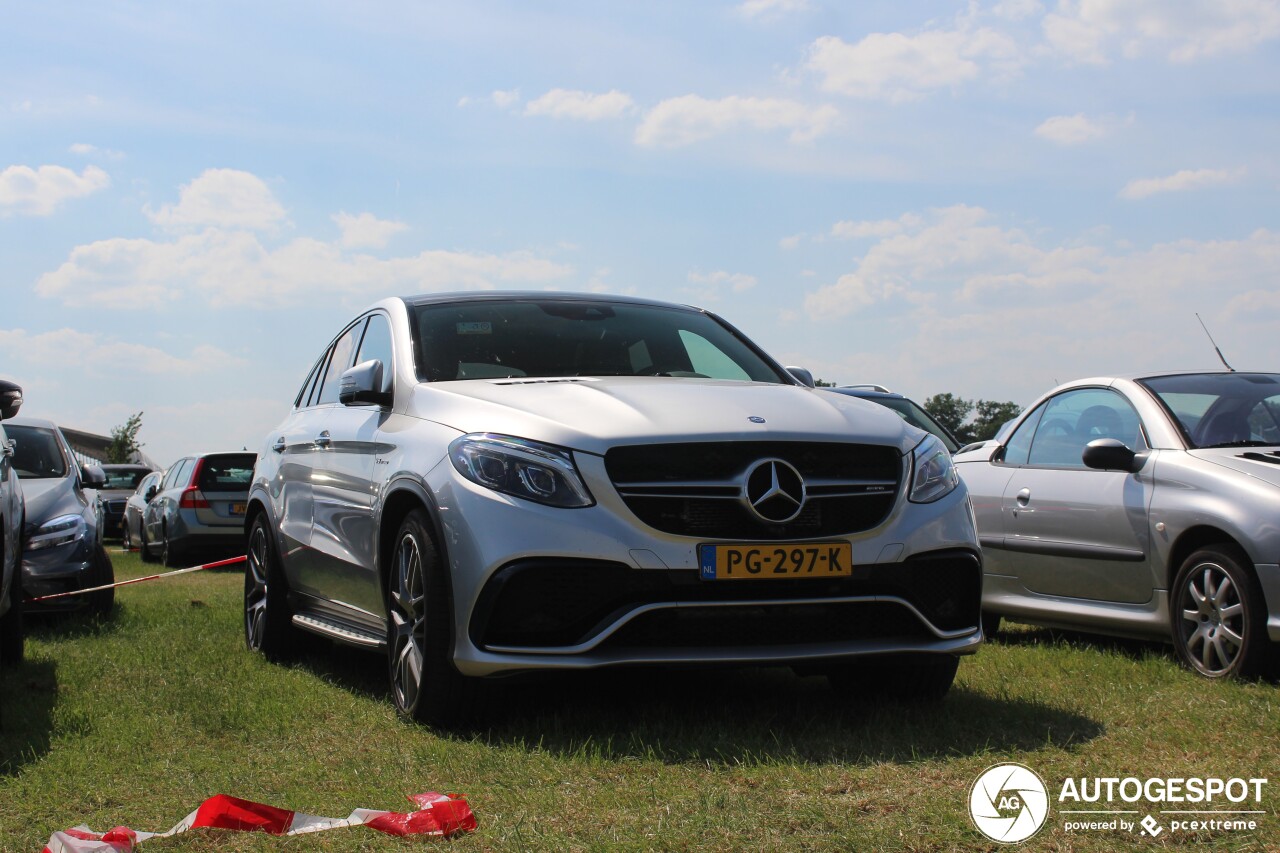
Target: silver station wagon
[
  {"x": 1144, "y": 506},
  {"x": 480, "y": 485}
]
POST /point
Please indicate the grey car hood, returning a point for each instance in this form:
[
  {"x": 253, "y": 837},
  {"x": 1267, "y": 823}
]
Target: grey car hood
[
  {"x": 595, "y": 413},
  {"x": 49, "y": 497},
  {"x": 1262, "y": 463}
]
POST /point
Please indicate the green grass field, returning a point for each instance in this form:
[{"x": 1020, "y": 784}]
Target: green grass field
[{"x": 137, "y": 719}]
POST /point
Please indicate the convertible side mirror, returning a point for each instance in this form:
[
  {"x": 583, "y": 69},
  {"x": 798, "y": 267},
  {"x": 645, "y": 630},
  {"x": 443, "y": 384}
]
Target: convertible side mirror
[
  {"x": 1111, "y": 454},
  {"x": 362, "y": 384}
]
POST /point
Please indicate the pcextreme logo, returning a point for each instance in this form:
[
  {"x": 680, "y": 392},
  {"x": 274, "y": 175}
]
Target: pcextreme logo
[{"x": 1009, "y": 803}]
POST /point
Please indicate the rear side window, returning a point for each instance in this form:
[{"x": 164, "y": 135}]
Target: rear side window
[
  {"x": 179, "y": 473},
  {"x": 227, "y": 472}
]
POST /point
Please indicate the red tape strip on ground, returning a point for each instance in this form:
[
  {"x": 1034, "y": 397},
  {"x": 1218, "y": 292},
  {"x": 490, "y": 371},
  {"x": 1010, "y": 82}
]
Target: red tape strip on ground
[
  {"x": 215, "y": 565},
  {"x": 437, "y": 814}
]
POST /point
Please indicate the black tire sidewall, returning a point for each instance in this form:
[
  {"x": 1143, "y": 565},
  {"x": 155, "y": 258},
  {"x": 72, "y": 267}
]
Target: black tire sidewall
[{"x": 1238, "y": 567}]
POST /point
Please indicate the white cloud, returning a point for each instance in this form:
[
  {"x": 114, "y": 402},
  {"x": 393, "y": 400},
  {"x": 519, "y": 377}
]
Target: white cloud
[
  {"x": 220, "y": 267},
  {"x": 1017, "y": 10},
  {"x": 771, "y": 8},
  {"x": 897, "y": 67},
  {"x": 851, "y": 230},
  {"x": 583, "y": 106},
  {"x": 692, "y": 118},
  {"x": 790, "y": 242},
  {"x": 97, "y": 356},
  {"x": 505, "y": 98},
  {"x": 1092, "y": 31},
  {"x": 38, "y": 192},
  {"x": 366, "y": 231},
  {"x": 84, "y": 149},
  {"x": 221, "y": 198},
  {"x": 735, "y": 281},
  {"x": 1187, "y": 179},
  {"x": 1071, "y": 130}
]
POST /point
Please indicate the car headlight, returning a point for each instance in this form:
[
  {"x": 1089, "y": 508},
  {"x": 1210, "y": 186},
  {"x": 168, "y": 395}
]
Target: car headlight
[
  {"x": 933, "y": 474},
  {"x": 525, "y": 469},
  {"x": 57, "y": 531}
]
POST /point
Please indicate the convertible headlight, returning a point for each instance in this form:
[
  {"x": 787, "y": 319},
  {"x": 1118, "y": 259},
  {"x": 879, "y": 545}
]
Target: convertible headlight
[
  {"x": 525, "y": 469},
  {"x": 57, "y": 531},
  {"x": 933, "y": 474}
]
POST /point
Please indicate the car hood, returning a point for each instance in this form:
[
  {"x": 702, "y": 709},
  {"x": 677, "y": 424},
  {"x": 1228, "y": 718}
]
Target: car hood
[
  {"x": 593, "y": 414},
  {"x": 1262, "y": 463},
  {"x": 50, "y": 497}
]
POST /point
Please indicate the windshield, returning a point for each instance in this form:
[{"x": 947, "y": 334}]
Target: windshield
[
  {"x": 37, "y": 454},
  {"x": 917, "y": 417},
  {"x": 124, "y": 478},
  {"x": 1222, "y": 409},
  {"x": 506, "y": 339}
]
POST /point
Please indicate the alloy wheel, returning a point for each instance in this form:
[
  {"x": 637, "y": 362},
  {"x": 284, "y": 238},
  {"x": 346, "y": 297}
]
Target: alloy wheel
[
  {"x": 255, "y": 589},
  {"x": 408, "y": 616},
  {"x": 1213, "y": 619}
]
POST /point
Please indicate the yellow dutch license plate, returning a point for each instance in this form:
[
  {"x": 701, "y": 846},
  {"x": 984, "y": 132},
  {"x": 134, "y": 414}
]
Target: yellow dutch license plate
[
  {"x": 790, "y": 560},
  {"x": 237, "y": 509}
]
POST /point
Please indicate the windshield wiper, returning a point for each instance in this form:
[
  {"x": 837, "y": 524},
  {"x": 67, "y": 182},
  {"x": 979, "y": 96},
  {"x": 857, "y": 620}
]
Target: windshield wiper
[{"x": 1248, "y": 442}]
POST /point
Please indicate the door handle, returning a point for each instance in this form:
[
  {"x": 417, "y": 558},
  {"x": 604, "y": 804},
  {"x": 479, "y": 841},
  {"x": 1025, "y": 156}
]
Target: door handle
[
  {"x": 323, "y": 440},
  {"x": 278, "y": 447},
  {"x": 8, "y": 447},
  {"x": 1024, "y": 497}
]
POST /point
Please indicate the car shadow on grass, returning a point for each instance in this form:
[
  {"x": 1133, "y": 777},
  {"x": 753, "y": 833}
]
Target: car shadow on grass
[
  {"x": 728, "y": 717},
  {"x": 28, "y": 696}
]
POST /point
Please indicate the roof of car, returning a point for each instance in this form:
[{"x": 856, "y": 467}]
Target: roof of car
[
  {"x": 863, "y": 391},
  {"x": 42, "y": 423},
  {"x": 535, "y": 296}
]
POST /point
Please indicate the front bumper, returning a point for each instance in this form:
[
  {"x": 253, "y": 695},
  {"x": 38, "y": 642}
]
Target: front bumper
[
  {"x": 53, "y": 570},
  {"x": 537, "y": 588}
]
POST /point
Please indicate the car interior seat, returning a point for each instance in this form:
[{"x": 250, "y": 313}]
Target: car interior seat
[{"x": 1224, "y": 427}]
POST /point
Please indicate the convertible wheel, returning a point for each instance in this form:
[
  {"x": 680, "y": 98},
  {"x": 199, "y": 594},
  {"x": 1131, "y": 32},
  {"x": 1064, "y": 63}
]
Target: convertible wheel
[
  {"x": 1219, "y": 621},
  {"x": 267, "y": 622},
  {"x": 925, "y": 678},
  {"x": 101, "y": 573},
  {"x": 426, "y": 685}
]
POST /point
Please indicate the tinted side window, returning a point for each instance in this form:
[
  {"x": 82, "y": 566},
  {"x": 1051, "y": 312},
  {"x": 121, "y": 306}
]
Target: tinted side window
[
  {"x": 343, "y": 350},
  {"x": 172, "y": 476},
  {"x": 1074, "y": 419},
  {"x": 1019, "y": 444},
  {"x": 377, "y": 344}
]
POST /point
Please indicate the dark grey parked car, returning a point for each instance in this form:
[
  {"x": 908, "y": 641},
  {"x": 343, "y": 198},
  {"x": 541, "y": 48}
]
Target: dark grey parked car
[
  {"x": 62, "y": 536},
  {"x": 11, "y": 509},
  {"x": 122, "y": 481},
  {"x": 1143, "y": 506},
  {"x": 198, "y": 511}
]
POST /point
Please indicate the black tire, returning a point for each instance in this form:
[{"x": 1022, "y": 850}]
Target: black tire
[
  {"x": 11, "y": 645},
  {"x": 426, "y": 686},
  {"x": 990, "y": 624},
  {"x": 268, "y": 626},
  {"x": 170, "y": 555},
  {"x": 101, "y": 573},
  {"x": 916, "y": 679},
  {"x": 1217, "y": 614},
  {"x": 144, "y": 549}
]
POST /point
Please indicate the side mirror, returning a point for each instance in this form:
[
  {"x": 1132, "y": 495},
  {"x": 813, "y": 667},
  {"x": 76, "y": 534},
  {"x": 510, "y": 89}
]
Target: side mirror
[
  {"x": 363, "y": 384},
  {"x": 804, "y": 377},
  {"x": 1111, "y": 454},
  {"x": 150, "y": 493},
  {"x": 92, "y": 477},
  {"x": 10, "y": 399}
]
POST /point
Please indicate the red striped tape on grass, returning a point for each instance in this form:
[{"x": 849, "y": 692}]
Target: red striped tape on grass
[
  {"x": 218, "y": 564},
  {"x": 438, "y": 814}
]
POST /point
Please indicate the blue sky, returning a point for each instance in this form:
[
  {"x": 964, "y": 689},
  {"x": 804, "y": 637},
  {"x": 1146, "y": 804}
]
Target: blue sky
[{"x": 979, "y": 198}]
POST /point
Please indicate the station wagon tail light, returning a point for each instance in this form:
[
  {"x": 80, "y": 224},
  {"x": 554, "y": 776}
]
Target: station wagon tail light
[
  {"x": 521, "y": 468},
  {"x": 933, "y": 474},
  {"x": 192, "y": 497}
]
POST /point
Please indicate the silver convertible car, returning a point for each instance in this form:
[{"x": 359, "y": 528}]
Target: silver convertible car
[
  {"x": 1143, "y": 506},
  {"x": 480, "y": 485}
]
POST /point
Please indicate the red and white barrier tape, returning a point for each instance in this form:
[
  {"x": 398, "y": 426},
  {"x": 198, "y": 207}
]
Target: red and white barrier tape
[
  {"x": 218, "y": 564},
  {"x": 438, "y": 814}
]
